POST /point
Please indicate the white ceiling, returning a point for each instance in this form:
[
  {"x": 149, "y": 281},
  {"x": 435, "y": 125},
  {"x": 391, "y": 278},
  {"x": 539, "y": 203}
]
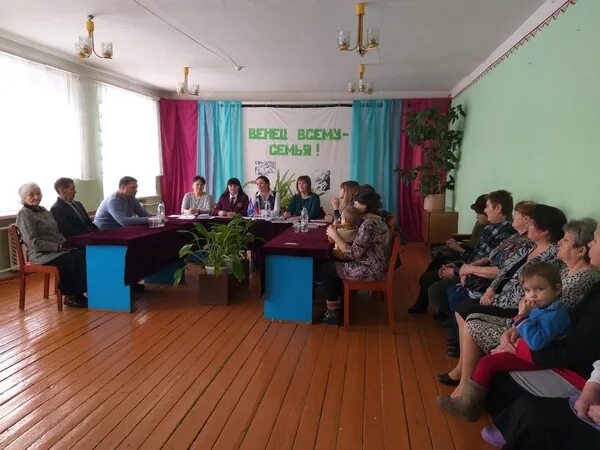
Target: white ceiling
[{"x": 289, "y": 47}]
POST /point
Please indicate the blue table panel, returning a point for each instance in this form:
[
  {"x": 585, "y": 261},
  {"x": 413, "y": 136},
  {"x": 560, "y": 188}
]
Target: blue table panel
[{"x": 288, "y": 291}]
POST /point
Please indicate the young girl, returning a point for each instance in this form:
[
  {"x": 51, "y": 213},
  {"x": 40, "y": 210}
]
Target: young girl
[{"x": 542, "y": 318}]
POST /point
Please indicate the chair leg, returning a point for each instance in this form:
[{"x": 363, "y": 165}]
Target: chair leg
[
  {"x": 22, "y": 292},
  {"x": 389, "y": 299},
  {"x": 346, "y": 307},
  {"x": 58, "y": 292},
  {"x": 46, "y": 285}
]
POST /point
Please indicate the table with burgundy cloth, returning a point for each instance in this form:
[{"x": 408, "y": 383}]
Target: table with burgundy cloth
[
  {"x": 288, "y": 272},
  {"x": 119, "y": 257}
]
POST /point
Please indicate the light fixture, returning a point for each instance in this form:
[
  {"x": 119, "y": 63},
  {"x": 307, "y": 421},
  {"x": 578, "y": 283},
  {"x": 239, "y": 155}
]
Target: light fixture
[
  {"x": 84, "y": 47},
  {"x": 184, "y": 88},
  {"x": 363, "y": 86},
  {"x": 372, "y": 35}
]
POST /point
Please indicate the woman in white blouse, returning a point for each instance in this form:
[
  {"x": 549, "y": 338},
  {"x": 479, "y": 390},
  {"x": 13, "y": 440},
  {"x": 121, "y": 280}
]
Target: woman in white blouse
[{"x": 197, "y": 201}]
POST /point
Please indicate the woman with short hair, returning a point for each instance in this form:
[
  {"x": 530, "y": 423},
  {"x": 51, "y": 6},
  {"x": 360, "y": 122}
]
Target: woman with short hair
[
  {"x": 44, "y": 244},
  {"x": 197, "y": 201}
]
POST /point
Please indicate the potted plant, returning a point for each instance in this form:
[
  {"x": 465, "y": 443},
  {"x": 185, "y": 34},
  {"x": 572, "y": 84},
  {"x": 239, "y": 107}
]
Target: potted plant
[
  {"x": 430, "y": 131},
  {"x": 223, "y": 250}
]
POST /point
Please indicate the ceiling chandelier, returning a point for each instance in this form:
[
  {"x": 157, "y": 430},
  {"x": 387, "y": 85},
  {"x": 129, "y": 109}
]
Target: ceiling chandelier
[
  {"x": 183, "y": 88},
  {"x": 372, "y": 35},
  {"x": 84, "y": 47},
  {"x": 363, "y": 86}
]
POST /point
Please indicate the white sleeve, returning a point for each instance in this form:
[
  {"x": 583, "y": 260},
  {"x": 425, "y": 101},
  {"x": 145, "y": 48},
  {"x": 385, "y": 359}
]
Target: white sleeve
[{"x": 595, "y": 376}]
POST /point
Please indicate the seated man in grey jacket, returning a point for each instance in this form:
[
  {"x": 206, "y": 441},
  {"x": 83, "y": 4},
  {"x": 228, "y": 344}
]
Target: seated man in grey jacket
[{"x": 118, "y": 209}]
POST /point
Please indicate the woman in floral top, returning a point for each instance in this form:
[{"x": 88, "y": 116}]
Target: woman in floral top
[
  {"x": 485, "y": 331},
  {"x": 367, "y": 257}
]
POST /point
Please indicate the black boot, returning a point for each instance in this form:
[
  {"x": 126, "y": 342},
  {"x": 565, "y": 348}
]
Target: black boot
[{"x": 418, "y": 308}]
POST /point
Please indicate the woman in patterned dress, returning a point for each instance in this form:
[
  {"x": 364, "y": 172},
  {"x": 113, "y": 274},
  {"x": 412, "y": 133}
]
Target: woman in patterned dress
[
  {"x": 366, "y": 258},
  {"x": 483, "y": 332}
]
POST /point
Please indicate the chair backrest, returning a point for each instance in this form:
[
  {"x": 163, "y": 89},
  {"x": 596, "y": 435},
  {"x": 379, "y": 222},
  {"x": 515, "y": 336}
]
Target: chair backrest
[
  {"x": 16, "y": 247},
  {"x": 393, "y": 257}
]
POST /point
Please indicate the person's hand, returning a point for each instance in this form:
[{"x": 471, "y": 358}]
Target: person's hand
[
  {"x": 503, "y": 348},
  {"x": 525, "y": 306},
  {"x": 332, "y": 232},
  {"x": 450, "y": 241},
  {"x": 335, "y": 202},
  {"x": 463, "y": 280},
  {"x": 446, "y": 273},
  {"x": 594, "y": 413},
  {"x": 194, "y": 211},
  {"x": 589, "y": 396},
  {"x": 508, "y": 340},
  {"x": 488, "y": 297},
  {"x": 286, "y": 215},
  {"x": 328, "y": 218},
  {"x": 452, "y": 244},
  {"x": 466, "y": 269},
  {"x": 222, "y": 213}
]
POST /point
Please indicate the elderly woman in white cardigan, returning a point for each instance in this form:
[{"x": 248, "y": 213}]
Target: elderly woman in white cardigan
[{"x": 44, "y": 244}]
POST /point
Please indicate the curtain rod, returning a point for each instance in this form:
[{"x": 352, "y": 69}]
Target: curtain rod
[{"x": 322, "y": 105}]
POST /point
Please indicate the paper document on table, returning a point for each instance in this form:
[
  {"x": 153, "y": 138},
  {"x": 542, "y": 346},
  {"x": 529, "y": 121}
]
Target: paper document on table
[{"x": 185, "y": 216}]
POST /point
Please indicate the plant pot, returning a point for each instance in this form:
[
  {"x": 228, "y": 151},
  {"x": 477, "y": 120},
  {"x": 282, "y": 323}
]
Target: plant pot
[
  {"x": 434, "y": 202},
  {"x": 210, "y": 270},
  {"x": 214, "y": 290}
]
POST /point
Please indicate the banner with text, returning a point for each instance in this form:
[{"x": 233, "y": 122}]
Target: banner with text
[{"x": 302, "y": 141}]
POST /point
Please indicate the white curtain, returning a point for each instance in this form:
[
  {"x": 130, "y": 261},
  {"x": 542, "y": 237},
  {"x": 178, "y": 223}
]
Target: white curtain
[
  {"x": 41, "y": 136},
  {"x": 129, "y": 139}
]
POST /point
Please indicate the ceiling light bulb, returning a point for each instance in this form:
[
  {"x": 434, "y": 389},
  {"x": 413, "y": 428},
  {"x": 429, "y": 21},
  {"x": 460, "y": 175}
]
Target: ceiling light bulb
[
  {"x": 194, "y": 89},
  {"x": 372, "y": 38},
  {"x": 180, "y": 89},
  {"x": 343, "y": 39},
  {"x": 106, "y": 50},
  {"x": 83, "y": 47}
]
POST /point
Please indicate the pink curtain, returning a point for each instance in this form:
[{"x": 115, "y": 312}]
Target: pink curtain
[
  {"x": 410, "y": 202},
  {"x": 179, "y": 138}
]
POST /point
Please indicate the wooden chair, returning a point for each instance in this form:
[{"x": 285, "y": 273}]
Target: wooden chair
[
  {"x": 26, "y": 268},
  {"x": 385, "y": 286}
]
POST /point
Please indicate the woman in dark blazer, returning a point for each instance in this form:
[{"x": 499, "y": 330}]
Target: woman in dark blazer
[{"x": 233, "y": 201}]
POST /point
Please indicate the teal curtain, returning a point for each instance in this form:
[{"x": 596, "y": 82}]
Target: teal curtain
[
  {"x": 220, "y": 152},
  {"x": 374, "y": 152}
]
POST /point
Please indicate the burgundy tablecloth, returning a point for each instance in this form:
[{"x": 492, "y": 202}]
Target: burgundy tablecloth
[
  {"x": 151, "y": 249},
  {"x": 290, "y": 243},
  {"x": 148, "y": 249},
  {"x": 312, "y": 244}
]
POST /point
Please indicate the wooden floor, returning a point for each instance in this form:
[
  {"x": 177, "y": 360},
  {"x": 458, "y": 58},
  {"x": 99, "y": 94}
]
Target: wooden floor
[{"x": 175, "y": 374}]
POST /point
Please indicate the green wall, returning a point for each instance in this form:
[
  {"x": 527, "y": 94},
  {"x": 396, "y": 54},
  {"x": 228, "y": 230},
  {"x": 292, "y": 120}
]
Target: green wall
[{"x": 533, "y": 123}]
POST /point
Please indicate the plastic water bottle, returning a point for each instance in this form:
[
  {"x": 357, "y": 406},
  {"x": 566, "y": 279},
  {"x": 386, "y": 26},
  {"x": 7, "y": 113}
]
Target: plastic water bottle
[
  {"x": 268, "y": 210},
  {"x": 160, "y": 213},
  {"x": 304, "y": 220},
  {"x": 250, "y": 211}
]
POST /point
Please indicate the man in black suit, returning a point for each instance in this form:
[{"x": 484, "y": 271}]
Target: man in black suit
[{"x": 71, "y": 216}]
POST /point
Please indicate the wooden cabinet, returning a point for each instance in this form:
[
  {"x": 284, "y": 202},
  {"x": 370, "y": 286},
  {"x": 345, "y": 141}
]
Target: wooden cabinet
[{"x": 439, "y": 226}]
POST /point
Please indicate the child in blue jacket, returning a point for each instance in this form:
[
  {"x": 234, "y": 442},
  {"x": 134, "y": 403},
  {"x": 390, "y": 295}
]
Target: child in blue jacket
[{"x": 542, "y": 318}]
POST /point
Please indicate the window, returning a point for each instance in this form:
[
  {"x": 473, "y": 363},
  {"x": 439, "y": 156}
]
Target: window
[
  {"x": 40, "y": 129},
  {"x": 130, "y": 139}
]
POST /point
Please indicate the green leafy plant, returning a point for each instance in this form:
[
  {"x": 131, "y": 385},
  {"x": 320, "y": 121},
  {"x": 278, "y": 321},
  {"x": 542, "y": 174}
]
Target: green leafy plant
[
  {"x": 218, "y": 245},
  {"x": 283, "y": 185},
  {"x": 431, "y": 132}
]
